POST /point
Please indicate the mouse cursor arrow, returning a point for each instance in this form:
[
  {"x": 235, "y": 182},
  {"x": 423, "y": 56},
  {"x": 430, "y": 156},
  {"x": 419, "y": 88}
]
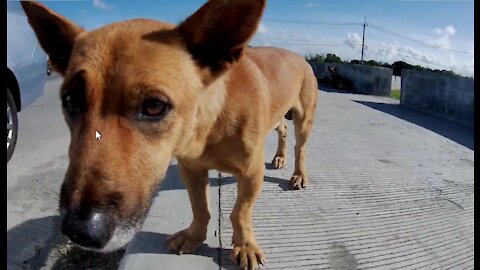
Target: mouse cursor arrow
[{"x": 97, "y": 135}]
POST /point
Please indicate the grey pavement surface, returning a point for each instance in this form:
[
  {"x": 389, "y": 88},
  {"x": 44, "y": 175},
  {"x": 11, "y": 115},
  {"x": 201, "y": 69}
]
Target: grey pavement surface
[
  {"x": 34, "y": 175},
  {"x": 384, "y": 194},
  {"x": 391, "y": 188}
]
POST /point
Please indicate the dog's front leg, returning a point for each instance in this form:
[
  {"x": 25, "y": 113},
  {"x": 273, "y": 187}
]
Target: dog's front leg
[
  {"x": 197, "y": 184},
  {"x": 246, "y": 252}
]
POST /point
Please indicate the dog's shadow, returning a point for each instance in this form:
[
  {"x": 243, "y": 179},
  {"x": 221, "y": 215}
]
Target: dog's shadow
[
  {"x": 30, "y": 244},
  {"x": 172, "y": 180},
  {"x": 282, "y": 183},
  {"x": 154, "y": 243}
]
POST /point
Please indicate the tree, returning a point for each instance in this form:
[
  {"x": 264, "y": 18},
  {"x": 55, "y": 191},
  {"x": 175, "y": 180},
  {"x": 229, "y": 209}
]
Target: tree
[
  {"x": 332, "y": 58},
  {"x": 397, "y": 66},
  {"x": 317, "y": 58}
]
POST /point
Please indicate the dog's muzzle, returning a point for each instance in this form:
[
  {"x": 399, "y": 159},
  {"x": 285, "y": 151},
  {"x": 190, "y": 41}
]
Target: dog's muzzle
[{"x": 89, "y": 229}]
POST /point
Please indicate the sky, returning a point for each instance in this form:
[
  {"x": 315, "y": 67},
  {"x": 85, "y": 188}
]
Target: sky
[{"x": 431, "y": 33}]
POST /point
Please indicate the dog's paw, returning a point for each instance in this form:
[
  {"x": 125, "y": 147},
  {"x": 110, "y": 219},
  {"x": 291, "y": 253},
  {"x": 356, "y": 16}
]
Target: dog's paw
[
  {"x": 247, "y": 256},
  {"x": 278, "y": 162},
  {"x": 183, "y": 242},
  {"x": 298, "y": 181}
]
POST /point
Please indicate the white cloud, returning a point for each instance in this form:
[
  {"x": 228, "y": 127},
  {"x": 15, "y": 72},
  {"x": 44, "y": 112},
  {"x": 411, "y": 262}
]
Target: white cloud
[
  {"x": 384, "y": 50},
  {"x": 445, "y": 35},
  {"x": 354, "y": 40},
  {"x": 465, "y": 69},
  {"x": 101, "y": 4},
  {"x": 395, "y": 52},
  {"x": 450, "y": 30},
  {"x": 414, "y": 55},
  {"x": 437, "y": 31},
  {"x": 424, "y": 55},
  {"x": 262, "y": 29},
  {"x": 453, "y": 60},
  {"x": 311, "y": 5}
]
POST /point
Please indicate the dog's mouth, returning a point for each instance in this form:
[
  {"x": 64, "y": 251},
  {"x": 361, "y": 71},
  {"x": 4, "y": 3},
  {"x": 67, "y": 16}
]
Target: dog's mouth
[
  {"x": 102, "y": 226},
  {"x": 100, "y": 232},
  {"x": 121, "y": 236},
  {"x": 101, "y": 238}
]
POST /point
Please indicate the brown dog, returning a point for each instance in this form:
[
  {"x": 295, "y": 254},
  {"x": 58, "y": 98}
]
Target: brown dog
[{"x": 156, "y": 91}]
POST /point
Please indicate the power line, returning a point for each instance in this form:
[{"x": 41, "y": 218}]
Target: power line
[
  {"x": 298, "y": 40},
  {"x": 327, "y": 45},
  {"x": 384, "y": 30},
  {"x": 309, "y": 43},
  {"x": 280, "y": 20},
  {"x": 305, "y": 41},
  {"x": 312, "y": 44},
  {"x": 372, "y": 25}
]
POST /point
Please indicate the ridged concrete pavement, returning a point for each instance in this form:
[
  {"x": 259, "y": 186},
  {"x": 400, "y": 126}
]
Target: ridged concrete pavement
[{"x": 384, "y": 193}]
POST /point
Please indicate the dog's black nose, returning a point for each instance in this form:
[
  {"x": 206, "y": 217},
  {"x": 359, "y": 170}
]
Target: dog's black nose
[{"x": 91, "y": 229}]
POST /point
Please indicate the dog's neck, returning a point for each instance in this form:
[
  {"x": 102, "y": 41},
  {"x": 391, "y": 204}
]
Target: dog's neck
[{"x": 210, "y": 105}]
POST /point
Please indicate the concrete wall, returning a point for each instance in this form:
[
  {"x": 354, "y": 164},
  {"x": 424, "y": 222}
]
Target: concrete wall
[
  {"x": 366, "y": 80},
  {"x": 448, "y": 96}
]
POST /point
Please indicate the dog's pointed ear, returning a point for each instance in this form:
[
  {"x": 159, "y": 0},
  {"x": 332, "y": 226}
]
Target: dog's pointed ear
[
  {"x": 216, "y": 34},
  {"x": 55, "y": 33}
]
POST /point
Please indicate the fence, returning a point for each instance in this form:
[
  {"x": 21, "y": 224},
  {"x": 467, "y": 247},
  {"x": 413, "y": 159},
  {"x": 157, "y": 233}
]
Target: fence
[
  {"x": 444, "y": 95},
  {"x": 366, "y": 80}
]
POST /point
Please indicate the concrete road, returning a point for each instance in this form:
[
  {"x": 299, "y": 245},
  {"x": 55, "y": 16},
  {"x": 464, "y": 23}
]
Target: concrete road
[
  {"x": 390, "y": 188},
  {"x": 34, "y": 175}
]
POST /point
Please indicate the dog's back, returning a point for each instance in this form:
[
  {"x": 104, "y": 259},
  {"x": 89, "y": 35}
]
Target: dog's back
[
  {"x": 266, "y": 85},
  {"x": 283, "y": 81}
]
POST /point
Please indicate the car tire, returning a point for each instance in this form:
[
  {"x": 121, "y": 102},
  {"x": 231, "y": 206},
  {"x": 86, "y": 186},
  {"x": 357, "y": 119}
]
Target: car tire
[{"x": 12, "y": 125}]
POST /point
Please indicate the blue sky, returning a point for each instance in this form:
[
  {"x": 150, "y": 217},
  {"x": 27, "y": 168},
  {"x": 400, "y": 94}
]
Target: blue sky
[{"x": 433, "y": 33}]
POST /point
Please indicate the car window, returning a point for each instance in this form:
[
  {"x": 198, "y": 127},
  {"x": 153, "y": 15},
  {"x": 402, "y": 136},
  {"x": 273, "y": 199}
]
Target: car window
[{"x": 21, "y": 39}]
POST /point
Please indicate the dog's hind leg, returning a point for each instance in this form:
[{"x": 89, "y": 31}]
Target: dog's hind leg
[
  {"x": 279, "y": 159},
  {"x": 197, "y": 184},
  {"x": 303, "y": 116}
]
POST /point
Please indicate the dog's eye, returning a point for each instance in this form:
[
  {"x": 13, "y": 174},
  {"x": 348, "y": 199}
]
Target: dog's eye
[
  {"x": 154, "y": 109},
  {"x": 70, "y": 103}
]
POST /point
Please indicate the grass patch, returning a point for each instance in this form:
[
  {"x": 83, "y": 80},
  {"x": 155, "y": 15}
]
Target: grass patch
[{"x": 395, "y": 93}]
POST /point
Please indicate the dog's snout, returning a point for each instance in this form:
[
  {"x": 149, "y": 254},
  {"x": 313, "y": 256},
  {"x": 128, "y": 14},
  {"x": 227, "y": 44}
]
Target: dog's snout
[{"x": 90, "y": 230}]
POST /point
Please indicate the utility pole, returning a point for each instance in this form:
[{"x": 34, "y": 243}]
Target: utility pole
[{"x": 363, "y": 38}]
